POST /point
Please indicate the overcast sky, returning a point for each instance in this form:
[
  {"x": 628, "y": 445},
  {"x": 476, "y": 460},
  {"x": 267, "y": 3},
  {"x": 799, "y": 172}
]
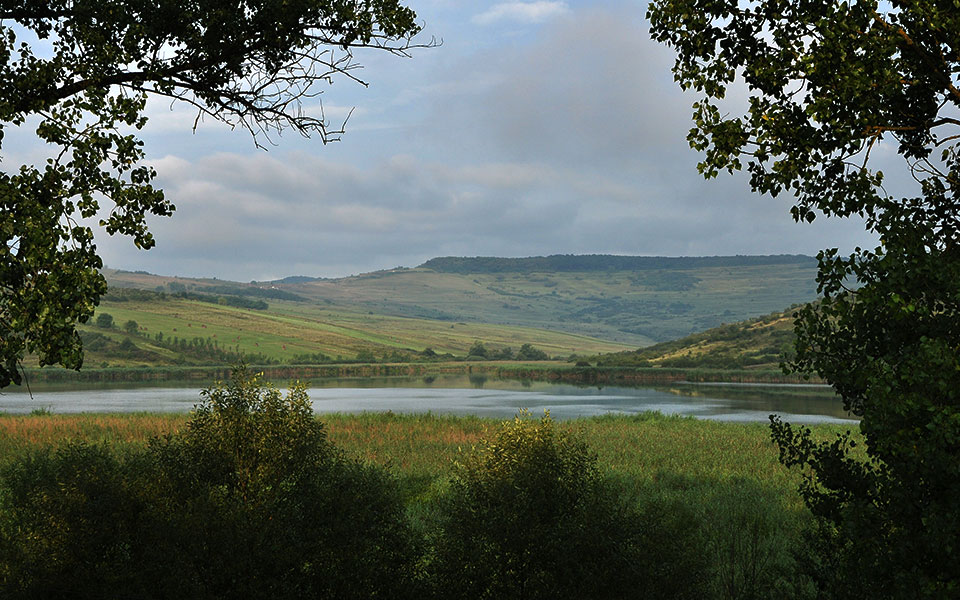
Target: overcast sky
[{"x": 537, "y": 127}]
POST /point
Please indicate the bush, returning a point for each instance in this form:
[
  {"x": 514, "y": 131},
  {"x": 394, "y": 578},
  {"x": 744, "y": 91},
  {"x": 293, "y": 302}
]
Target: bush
[
  {"x": 477, "y": 351},
  {"x": 251, "y": 500},
  {"x": 69, "y": 525},
  {"x": 529, "y": 515},
  {"x": 322, "y": 525},
  {"x": 105, "y": 320},
  {"x": 529, "y": 352}
]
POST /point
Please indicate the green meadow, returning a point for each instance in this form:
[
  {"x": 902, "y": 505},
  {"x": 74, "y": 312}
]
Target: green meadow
[{"x": 288, "y": 330}]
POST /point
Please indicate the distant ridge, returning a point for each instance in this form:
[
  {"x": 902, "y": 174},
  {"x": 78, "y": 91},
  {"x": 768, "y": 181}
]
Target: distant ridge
[
  {"x": 296, "y": 279},
  {"x": 603, "y": 262}
]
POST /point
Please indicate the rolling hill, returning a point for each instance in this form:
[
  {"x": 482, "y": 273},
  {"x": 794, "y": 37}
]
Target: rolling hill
[
  {"x": 758, "y": 343},
  {"x": 185, "y": 330},
  {"x": 627, "y": 301}
]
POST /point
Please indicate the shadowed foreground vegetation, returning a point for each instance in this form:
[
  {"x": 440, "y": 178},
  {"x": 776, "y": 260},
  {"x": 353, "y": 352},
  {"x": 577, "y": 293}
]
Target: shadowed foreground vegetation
[{"x": 252, "y": 495}]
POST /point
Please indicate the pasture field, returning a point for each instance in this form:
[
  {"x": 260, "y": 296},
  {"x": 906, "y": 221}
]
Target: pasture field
[{"x": 288, "y": 329}]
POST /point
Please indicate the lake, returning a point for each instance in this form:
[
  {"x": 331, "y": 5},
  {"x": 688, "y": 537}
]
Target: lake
[{"x": 466, "y": 395}]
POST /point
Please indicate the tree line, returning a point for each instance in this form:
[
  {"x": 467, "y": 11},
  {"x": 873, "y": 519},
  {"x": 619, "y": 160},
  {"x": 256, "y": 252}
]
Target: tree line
[{"x": 603, "y": 262}]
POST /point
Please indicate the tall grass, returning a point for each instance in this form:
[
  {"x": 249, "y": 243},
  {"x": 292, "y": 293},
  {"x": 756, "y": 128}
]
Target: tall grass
[
  {"x": 724, "y": 478},
  {"x": 641, "y": 448},
  {"x": 22, "y": 432}
]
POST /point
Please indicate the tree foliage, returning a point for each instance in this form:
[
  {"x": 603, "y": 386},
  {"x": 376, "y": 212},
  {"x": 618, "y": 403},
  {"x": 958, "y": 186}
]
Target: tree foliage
[
  {"x": 79, "y": 73},
  {"x": 250, "y": 501},
  {"x": 529, "y": 515},
  {"x": 531, "y": 352},
  {"x": 105, "y": 320},
  {"x": 830, "y": 85}
]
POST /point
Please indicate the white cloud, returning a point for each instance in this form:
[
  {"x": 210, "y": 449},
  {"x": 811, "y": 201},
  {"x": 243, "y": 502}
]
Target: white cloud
[{"x": 524, "y": 12}]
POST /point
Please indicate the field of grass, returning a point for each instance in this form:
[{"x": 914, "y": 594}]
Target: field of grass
[{"x": 288, "y": 329}]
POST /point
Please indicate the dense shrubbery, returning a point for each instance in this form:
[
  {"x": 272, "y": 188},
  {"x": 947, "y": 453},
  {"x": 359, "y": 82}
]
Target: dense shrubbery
[
  {"x": 252, "y": 500},
  {"x": 531, "y": 516}
]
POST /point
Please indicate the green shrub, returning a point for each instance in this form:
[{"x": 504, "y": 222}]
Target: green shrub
[
  {"x": 529, "y": 352},
  {"x": 73, "y": 523},
  {"x": 749, "y": 536},
  {"x": 529, "y": 515},
  {"x": 250, "y": 501}
]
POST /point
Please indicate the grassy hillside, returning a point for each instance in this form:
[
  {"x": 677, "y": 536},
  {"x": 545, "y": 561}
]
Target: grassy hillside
[
  {"x": 636, "y": 301},
  {"x": 754, "y": 343},
  {"x": 173, "y": 330}
]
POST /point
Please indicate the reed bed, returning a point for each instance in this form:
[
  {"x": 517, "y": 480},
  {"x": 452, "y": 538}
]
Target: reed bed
[
  {"x": 19, "y": 433},
  {"x": 672, "y": 455}
]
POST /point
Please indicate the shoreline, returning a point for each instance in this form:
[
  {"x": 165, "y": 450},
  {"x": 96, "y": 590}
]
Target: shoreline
[{"x": 534, "y": 371}]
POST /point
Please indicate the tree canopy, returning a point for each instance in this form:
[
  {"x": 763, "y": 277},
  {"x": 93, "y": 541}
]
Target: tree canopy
[
  {"x": 80, "y": 71},
  {"x": 829, "y": 87}
]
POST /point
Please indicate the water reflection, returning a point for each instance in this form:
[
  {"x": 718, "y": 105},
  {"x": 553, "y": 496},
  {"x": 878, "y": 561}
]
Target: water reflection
[{"x": 469, "y": 394}]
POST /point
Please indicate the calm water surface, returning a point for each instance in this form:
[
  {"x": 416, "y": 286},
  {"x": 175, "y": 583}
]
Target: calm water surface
[{"x": 467, "y": 395}]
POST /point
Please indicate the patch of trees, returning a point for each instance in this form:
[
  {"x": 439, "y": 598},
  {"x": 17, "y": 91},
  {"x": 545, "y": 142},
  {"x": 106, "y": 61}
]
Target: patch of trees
[
  {"x": 823, "y": 84},
  {"x": 479, "y": 351},
  {"x": 256, "y": 292},
  {"x": 603, "y": 262},
  {"x": 665, "y": 281},
  {"x": 226, "y": 295},
  {"x": 397, "y": 355},
  {"x": 81, "y": 72},
  {"x": 252, "y": 500},
  {"x": 207, "y": 350},
  {"x": 107, "y": 347},
  {"x": 236, "y": 301},
  {"x": 122, "y": 294},
  {"x": 503, "y": 292},
  {"x": 606, "y": 308}
]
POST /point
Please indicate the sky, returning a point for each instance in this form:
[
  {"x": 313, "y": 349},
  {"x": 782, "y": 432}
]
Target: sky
[{"x": 536, "y": 127}]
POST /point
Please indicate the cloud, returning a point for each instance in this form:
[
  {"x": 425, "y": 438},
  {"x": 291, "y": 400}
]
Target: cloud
[
  {"x": 264, "y": 216},
  {"x": 568, "y": 141},
  {"x": 523, "y": 12}
]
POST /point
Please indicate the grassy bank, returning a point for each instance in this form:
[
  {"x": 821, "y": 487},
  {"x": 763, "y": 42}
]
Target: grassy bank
[{"x": 545, "y": 371}]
